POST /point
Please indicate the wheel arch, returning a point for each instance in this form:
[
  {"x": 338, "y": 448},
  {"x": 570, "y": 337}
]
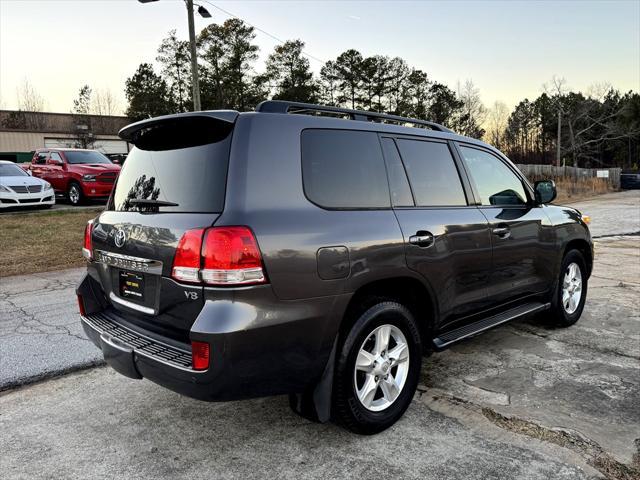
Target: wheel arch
[
  {"x": 406, "y": 290},
  {"x": 584, "y": 248}
]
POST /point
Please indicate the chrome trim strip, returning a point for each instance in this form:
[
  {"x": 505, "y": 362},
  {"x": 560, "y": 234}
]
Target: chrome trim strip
[
  {"x": 134, "y": 306},
  {"x": 128, "y": 262}
]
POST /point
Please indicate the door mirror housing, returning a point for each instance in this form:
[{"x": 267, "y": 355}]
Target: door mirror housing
[{"x": 545, "y": 191}]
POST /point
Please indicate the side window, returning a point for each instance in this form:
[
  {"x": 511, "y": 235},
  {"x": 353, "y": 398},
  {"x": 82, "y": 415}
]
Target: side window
[
  {"x": 41, "y": 158},
  {"x": 495, "y": 182},
  {"x": 398, "y": 183},
  {"x": 344, "y": 169},
  {"x": 432, "y": 173},
  {"x": 55, "y": 156}
]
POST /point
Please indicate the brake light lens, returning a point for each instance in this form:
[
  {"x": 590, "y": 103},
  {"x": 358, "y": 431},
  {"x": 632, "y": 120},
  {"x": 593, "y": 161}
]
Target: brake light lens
[
  {"x": 83, "y": 312},
  {"x": 219, "y": 256},
  {"x": 186, "y": 263},
  {"x": 231, "y": 257},
  {"x": 199, "y": 355},
  {"x": 87, "y": 249}
]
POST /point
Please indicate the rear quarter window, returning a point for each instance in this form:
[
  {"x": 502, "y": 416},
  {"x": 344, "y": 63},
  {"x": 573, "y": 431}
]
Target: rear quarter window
[{"x": 344, "y": 169}]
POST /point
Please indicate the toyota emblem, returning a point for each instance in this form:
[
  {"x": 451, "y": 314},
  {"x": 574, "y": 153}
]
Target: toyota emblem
[{"x": 120, "y": 238}]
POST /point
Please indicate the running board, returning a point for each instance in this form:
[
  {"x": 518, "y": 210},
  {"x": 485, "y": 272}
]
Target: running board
[{"x": 448, "y": 338}]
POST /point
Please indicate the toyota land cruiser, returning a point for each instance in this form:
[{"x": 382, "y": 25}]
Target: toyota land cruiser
[{"x": 318, "y": 252}]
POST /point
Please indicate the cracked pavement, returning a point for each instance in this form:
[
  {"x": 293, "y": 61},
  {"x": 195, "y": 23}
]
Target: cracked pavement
[
  {"x": 521, "y": 401},
  {"x": 40, "y": 332}
]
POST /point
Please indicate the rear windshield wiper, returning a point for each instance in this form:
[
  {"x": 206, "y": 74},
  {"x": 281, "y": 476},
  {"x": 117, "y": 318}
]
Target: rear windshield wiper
[{"x": 153, "y": 203}]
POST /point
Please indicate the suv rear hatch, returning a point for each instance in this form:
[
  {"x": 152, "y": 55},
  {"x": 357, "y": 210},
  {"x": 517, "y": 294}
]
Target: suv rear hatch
[{"x": 174, "y": 180}]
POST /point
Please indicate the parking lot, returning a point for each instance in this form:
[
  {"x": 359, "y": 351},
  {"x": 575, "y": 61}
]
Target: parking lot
[{"x": 522, "y": 401}]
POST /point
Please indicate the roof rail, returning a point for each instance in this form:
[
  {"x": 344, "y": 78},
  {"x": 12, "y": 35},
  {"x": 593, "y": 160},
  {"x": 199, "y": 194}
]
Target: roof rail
[{"x": 282, "y": 106}]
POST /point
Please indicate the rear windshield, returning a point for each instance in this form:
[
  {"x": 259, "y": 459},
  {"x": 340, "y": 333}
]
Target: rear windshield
[
  {"x": 193, "y": 177},
  {"x": 85, "y": 157}
]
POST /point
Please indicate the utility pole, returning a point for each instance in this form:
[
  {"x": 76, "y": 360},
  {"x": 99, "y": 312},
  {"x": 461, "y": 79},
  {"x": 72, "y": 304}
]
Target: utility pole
[
  {"x": 195, "y": 83},
  {"x": 194, "y": 59},
  {"x": 558, "y": 152}
]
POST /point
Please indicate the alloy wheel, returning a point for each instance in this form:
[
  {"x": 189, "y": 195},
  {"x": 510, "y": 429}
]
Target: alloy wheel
[
  {"x": 74, "y": 194},
  {"x": 381, "y": 368},
  {"x": 571, "y": 288}
]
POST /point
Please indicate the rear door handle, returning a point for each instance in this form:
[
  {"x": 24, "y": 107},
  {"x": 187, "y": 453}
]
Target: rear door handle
[
  {"x": 422, "y": 239},
  {"x": 502, "y": 232}
]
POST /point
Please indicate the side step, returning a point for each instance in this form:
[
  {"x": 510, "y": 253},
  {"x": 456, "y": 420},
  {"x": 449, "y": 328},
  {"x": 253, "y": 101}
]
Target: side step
[{"x": 448, "y": 338}]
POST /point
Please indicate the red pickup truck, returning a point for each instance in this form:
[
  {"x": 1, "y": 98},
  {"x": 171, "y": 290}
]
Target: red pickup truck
[{"x": 75, "y": 173}]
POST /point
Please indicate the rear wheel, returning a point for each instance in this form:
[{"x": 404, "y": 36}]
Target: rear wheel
[
  {"x": 377, "y": 369},
  {"x": 571, "y": 294},
  {"x": 75, "y": 194}
]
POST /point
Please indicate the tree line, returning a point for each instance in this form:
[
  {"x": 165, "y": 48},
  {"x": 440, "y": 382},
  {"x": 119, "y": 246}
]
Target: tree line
[
  {"x": 228, "y": 80},
  {"x": 601, "y": 128}
]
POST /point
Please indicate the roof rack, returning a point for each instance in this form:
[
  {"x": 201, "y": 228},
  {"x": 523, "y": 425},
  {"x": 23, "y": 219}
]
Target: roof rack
[{"x": 281, "y": 106}]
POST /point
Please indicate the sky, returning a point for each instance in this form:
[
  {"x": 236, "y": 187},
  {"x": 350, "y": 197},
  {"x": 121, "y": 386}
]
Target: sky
[{"x": 509, "y": 49}]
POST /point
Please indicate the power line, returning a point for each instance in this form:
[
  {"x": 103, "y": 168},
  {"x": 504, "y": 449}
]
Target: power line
[{"x": 279, "y": 40}]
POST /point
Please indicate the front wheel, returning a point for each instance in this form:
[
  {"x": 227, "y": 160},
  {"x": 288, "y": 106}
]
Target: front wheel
[
  {"x": 571, "y": 293},
  {"x": 377, "y": 369},
  {"x": 75, "y": 194}
]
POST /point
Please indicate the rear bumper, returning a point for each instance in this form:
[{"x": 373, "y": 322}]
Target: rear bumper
[
  {"x": 137, "y": 355},
  {"x": 268, "y": 347}
]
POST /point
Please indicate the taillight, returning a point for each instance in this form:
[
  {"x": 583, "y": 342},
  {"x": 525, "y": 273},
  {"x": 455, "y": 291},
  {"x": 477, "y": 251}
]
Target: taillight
[
  {"x": 219, "y": 256},
  {"x": 231, "y": 257},
  {"x": 81, "y": 306},
  {"x": 87, "y": 249},
  {"x": 186, "y": 263},
  {"x": 199, "y": 355}
]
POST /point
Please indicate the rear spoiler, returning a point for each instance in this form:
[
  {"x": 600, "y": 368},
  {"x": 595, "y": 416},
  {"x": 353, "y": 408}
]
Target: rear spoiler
[{"x": 132, "y": 132}]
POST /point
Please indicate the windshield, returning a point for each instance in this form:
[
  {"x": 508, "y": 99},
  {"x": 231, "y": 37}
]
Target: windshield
[
  {"x": 11, "y": 170},
  {"x": 89, "y": 156}
]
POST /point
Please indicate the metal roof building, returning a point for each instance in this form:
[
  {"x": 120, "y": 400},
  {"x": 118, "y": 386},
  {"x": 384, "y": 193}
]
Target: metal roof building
[{"x": 22, "y": 132}]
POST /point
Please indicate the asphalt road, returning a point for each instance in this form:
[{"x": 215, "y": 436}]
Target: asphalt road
[{"x": 521, "y": 401}]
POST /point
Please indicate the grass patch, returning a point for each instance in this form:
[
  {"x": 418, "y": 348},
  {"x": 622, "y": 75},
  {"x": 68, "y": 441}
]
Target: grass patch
[{"x": 41, "y": 242}]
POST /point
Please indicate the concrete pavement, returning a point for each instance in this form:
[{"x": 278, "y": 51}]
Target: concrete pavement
[
  {"x": 97, "y": 425},
  {"x": 60, "y": 205},
  {"x": 613, "y": 213},
  {"x": 40, "y": 332}
]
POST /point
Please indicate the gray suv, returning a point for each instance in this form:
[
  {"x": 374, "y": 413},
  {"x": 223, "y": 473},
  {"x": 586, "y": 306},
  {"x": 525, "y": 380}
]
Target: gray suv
[{"x": 318, "y": 252}]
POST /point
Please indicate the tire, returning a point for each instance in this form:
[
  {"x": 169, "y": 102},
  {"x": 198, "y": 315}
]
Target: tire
[
  {"x": 350, "y": 384},
  {"x": 74, "y": 194},
  {"x": 566, "y": 308}
]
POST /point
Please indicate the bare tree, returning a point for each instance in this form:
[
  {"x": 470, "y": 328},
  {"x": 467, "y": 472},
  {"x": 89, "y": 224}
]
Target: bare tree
[
  {"x": 556, "y": 90},
  {"x": 591, "y": 121},
  {"x": 497, "y": 119},
  {"x": 29, "y": 100},
  {"x": 104, "y": 103},
  {"x": 473, "y": 111}
]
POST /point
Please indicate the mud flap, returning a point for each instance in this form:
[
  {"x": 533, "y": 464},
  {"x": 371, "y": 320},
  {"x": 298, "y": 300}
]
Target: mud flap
[
  {"x": 119, "y": 356},
  {"x": 315, "y": 404}
]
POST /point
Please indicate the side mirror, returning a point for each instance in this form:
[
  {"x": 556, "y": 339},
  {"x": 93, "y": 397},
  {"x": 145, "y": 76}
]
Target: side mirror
[
  {"x": 29, "y": 172},
  {"x": 545, "y": 191}
]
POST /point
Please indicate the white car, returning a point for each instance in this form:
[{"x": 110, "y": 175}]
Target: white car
[{"x": 19, "y": 189}]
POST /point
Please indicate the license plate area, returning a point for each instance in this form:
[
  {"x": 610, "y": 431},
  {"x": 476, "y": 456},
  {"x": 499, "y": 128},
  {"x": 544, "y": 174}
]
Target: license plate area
[{"x": 131, "y": 285}]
